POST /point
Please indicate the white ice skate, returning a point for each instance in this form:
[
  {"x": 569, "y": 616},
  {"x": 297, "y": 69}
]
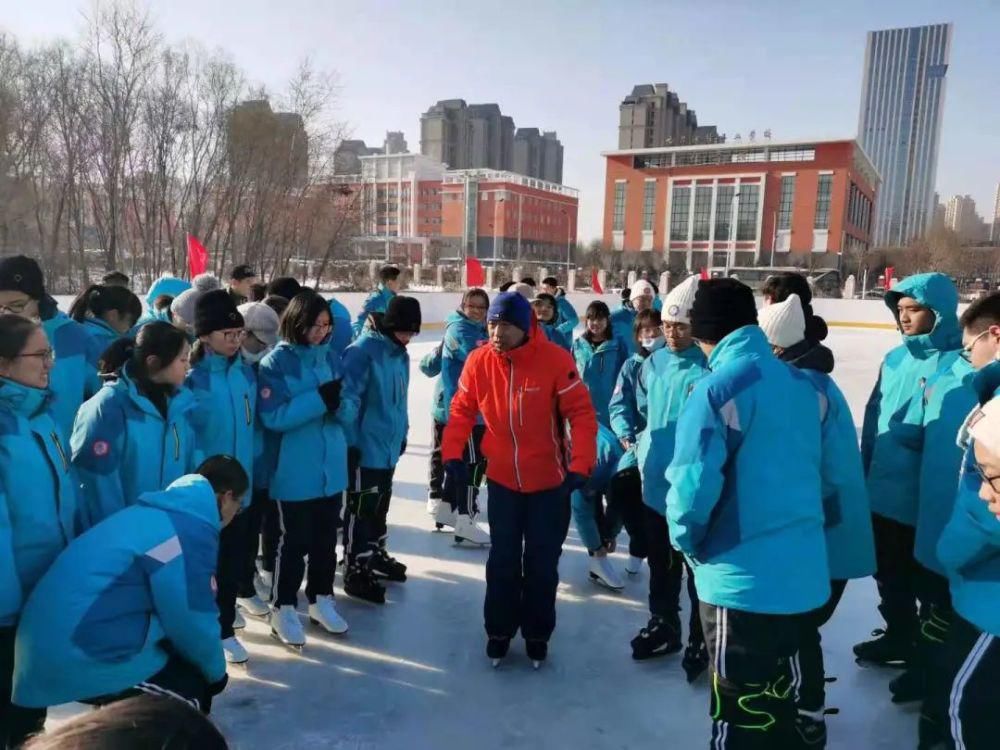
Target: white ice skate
[
  {"x": 253, "y": 606},
  {"x": 433, "y": 503},
  {"x": 234, "y": 651},
  {"x": 467, "y": 530},
  {"x": 602, "y": 572},
  {"x": 285, "y": 626},
  {"x": 444, "y": 516},
  {"x": 324, "y": 614},
  {"x": 238, "y": 622},
  {"x": 633, "y": 565},
  {"x": 262, "y": 582}
]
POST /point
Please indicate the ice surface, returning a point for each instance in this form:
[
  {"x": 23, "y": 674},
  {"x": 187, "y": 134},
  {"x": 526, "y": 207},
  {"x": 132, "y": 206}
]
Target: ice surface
[{"x": 413, "y": 673}]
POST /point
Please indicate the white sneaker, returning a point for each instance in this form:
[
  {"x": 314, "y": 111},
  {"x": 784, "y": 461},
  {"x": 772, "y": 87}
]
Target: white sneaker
[
  {"x": 234, "y": 651},
  {"x": 253, "y": 606},
  {"x": 324, "y": 614},
  {"x": 263, "y": 582},
  {"x": 445, "y": 516},
  {"x": 238, "y": 622},
  {"x": 603, "y": 573},
  {"x": 633, "y": 565},
  {"x": 467, "y": 530},
  {"x": 285, "y": 625}
]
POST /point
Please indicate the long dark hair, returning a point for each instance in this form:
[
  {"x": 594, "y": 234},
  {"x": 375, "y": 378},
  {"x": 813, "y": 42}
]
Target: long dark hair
[
  {"x": 14, "y": 334},
  {"x": 301, "y": 314},
  {"x": 595, "y": 310},
  {"x": 98, "y": 299},
  {"x": 157, "y": 339}
]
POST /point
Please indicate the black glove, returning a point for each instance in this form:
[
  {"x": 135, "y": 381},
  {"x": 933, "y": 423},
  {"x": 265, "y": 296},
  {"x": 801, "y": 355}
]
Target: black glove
[
  {"x": 330, "y": 392},
  {"x": 402, "y": 448},
  {"x": 218, "y": 686},
  {"x": 457, "y": 471},
  {"x": 575, "y": 481}
]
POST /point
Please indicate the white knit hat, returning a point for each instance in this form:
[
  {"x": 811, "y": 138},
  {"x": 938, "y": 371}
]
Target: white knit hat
[
  {"x": 784, "y": 323},
  {"x": 184, "y": 303},
  {"x": 641, "y": 288},
  {"x": 260, "y": 320},
  {"x": 677, "y": 305}
]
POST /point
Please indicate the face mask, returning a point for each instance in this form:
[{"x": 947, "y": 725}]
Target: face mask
[
  {"x": 651, "y": 344},
  {"x": 252, "y": 359}
]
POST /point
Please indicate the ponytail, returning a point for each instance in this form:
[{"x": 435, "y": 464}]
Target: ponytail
[
  {"x": 156, "y": 339},
  {"x": 98, "y": 299}
]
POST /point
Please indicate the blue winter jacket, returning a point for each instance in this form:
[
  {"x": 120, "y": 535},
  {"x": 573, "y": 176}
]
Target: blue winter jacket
[
  {"x": 377, "y": 302},
  {"x": 343, "y": 332},
  {"x": 556, "y": 336},
  {"x": 599, "y": 367},
  {"x": 374, "y": 399},
  {"x": 223, "y": 417},
  {"x": 567, "y": 317},
  {"x": 164, "y": 285},
  {"x": 73, "y": 378},
  {"x": 892, "y": 439},
  {"x": 665, "y": 381},
  {"x": 38, "y": 494},
  {"x": 430, "y": 365},
  {"x": 744, "y": 504},
  {"x": 610, "y": 461},
  {"x": 312, "y": 453},
  {"x": 627, "y": 410},
  {"x": 102, "y": 334},
  {"x": 622, "y": 320},
  {"x": 461, "y": 337},
  {"x": 122, "y": 597},
  {"x": 122, "y": 446}
]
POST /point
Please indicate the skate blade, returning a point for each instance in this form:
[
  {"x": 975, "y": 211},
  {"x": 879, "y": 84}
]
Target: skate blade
[
  {"x": 325, "y": 629},
  {"x": 604, "y": 584},
  {"x": 295, "y": 646},
  {"x": 460, "y": 540},
  {"x": 496, "y": 663},
  {"x": 536, "y": 665}
]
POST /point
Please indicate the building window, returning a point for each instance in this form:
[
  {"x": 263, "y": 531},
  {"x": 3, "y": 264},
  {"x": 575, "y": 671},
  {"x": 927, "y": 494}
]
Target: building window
[
  {"x": 680, "y": 207},
  {"x": 824, "y": 191},
  {"x": 648, "y": 206},
  {"x": 702, "y": 213},
  {"x": 619, "y": 215},
  {"x": 724, "y": 211},
  {"x": 785, "y": 202},
  {"x": 746, "y": 217}
]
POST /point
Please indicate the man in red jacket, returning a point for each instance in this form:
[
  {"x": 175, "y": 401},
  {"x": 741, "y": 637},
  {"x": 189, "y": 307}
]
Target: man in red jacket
[{"x": 526, "y": 390}]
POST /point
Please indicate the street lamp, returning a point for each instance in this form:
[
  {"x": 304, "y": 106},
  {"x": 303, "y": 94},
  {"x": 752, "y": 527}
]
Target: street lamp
[{"x": 568, "y": 246}]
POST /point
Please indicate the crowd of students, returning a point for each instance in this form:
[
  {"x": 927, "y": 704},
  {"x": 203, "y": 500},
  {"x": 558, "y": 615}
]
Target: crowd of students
[{"x": 146, "y": 458}]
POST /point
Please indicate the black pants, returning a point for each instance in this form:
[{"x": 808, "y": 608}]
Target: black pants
[
  {"x": 237, "y": 551},
  {"x": 178, "y": 679},
  {"x": 308, "y": 527},
  {"x": 895, "y": 575},
  {"x": 963, "y": 702},
  {"x": 436, "y": 480},
  {"x": 625, "y": 504},
  {"x": 751, "y": 701},
  {"x": 248, "y": 557},
  {"x": 936, "y": 616},
  {"x": 366, "y": 531},
  {"x": 462, "y": 498},
  {"x": 527, "y": 531},
  {"x": 17, "y": 723},
  {"x": 666, "y": 566},
  {"x": 808, "y": 671},
  {"x": 270, "y": 535}
]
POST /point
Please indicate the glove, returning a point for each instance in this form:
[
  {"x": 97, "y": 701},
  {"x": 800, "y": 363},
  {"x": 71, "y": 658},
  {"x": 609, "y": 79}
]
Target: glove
[
  {"x": 402, "y": 448},
  {"x": 330, "y": 393},
  {"x": 575, "y": 481},
  {"x": 218, "y": 686},
  {"x": 457, "y": 471}
]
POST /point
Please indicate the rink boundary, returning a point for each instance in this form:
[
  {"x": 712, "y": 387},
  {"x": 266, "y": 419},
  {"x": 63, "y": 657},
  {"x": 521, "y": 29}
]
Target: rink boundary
[{"x": 439, "y": 326}]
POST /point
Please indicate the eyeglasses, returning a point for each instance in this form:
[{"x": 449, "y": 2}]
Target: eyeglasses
[
  {"x": 475, "y": 307},
  {"x": 46, "y": 355},
  {"x": 15, "y": 308},
  {"x": 321, "y": 327},
  {"x": 234, "y": 337},
  {"x": 966, "y": 352},
  {"x": 989, "y": 480}
]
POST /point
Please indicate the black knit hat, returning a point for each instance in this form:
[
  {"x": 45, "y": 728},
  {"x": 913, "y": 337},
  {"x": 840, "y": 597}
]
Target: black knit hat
[
  {"x": 720, "y": 307},
  {"x": 19, "y": 273},
  {"x": 402, "y": 314},
  {"x": 284, "y": 286},
  {"x": 215, "y": 311}
]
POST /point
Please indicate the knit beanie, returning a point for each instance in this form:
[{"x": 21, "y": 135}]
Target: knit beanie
[
  {"x": 260, "y": 320},
  {"x": 677, "y": 305},
  {"x": 510, "y": 307},
  {"x": 402, "y": 314},
  {"x": 215, "y": 311},
  {"x": 19, "y": 273},
  {"x": 284, "y": 286},
  {"x": 206, "y": 282},
  {"x": 183, "y": 304},
  {"x": 525, "y": 290},
  {"x": 984, "y": 426},
  {"x": 720, "y": 307},
  {"x": 641, "y": 288},
  {"x": 784, "y": 323}
]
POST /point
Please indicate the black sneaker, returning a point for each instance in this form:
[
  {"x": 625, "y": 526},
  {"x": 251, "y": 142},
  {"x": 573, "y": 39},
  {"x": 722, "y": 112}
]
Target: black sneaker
[
  {"x": 908, "y": 687},
  {"x": 362, "y": 584},
  {"x": 389, "y": 568},
  {"x": 537, "y": 651},
  {"x": 695, "y": 660},
  {"x": 497, "y": 648},
  {"x": 886, "y": 649},
  {"x": 659, "y": 638}
]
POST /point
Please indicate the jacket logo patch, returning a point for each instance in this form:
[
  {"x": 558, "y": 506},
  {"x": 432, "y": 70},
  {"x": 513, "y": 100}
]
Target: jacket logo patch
[
  {"x": 101, "y": 448},
  {"x": 265, "y": 393}
]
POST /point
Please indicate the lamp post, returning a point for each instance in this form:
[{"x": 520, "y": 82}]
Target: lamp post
[{"x": 568, "y": 243}]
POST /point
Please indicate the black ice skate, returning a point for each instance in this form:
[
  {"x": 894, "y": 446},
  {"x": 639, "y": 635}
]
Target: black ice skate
[
  {"x": 389, "y": 568},
  {"x": 886, "y": 649},
  {"x": 695, "y": 661},
  {"x": 659, "y": 638},
  {"x": 361, "y": 583},
  {"x": 537, "y": 652},
  {"x": 811, "y": 729},
  {"x": 496, "y": 649},
  {"x": 908, "y": 687}
]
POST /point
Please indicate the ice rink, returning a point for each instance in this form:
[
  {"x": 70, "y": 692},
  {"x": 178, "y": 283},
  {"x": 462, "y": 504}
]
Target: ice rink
[{"x": 413, "y": 673}]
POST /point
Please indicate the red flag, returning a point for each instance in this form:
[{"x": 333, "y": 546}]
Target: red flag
[
  {"x": 474, "y": 273},
  {"x": 890, "y": 272},
  {"x": 197, "y": 256},
  {"x": 704, "y": 274},
  {"x": 595, "y": 282}
]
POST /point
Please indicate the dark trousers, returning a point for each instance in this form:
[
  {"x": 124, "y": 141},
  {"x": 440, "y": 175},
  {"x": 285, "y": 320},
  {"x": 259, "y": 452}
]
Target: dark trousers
[
  {"x": 527, "y": 531},
  {"x": 17, "y": 723},
  {"x": 936, "y": 616},
  {"x": 366, "y": 515},
  {"x": 178, "y": 679},
  {"x": 436, "y": 480},
  {"x": 308, "y": 527},
  {"x": 625, "y": 505},
  {"x": 462, "y": 498},
  {"x": 251, "y": 543},
  {"x": 895, "y": 575},
  {"x": 666, "y": 566},
  {"x": 751, "y": 700},
  {"x": 808, "y": 671},
  {"x": 963, "y": 702},
  {"x": 270, "y": 535},
  {"x": 237, "y": 554}
]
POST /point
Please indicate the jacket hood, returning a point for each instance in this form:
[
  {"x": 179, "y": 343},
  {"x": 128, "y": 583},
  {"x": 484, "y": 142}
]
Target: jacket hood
[
  {"x": 807, "y": 355},
  {"x": 464, "y": 321},
  {"x": 191, "y": 494},
  {"x": 181, "y": 401},
  {"x": 165, "y": 285},
  {"x": 986, "y": 382},
  {"x": 936, "y": 291},
  {"x": 23, "y": 399},
  {"x": 748, "y": 341}
]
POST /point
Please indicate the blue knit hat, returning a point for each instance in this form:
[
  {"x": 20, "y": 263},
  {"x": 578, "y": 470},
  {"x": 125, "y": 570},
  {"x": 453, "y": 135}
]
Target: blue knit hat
[{"x": 510, "y": 307}]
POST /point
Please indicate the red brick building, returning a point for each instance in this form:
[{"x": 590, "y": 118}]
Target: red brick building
[{"x": 741, "y": 204}]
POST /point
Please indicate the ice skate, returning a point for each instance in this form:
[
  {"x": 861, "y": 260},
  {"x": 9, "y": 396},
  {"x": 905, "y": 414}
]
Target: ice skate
[
  {"x": 602, "y": 572},
  {"x": 234, "y": 651},
  {"x": 361, "y": 583},
  {"x": 324, "y": 614},
  {"x": 467, "y": 530},
  {"x": 695, "y": 661},
  {"x": 444, "y": 515},
  {"x": 886, "y": 649},
  {"x": 253, "y": 606},
  {"x": 811, "y": 728},
  {"x": 659, "y": 638},
  {"x": 286, "y": 627},
  {"x": 385, "y": 566},
  {"x": 538, "y": 651},
  {"x": 909, "y": 687},
  {"x": 262, "y": 583},
  {"x": 238, "y": 622},
  {"x": 633, "y": 565},
  {"x": 496, "y": 649}
]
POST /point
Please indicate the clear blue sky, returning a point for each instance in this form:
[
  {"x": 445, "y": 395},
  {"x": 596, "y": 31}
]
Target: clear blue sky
[{"x": 793, "y": 66}]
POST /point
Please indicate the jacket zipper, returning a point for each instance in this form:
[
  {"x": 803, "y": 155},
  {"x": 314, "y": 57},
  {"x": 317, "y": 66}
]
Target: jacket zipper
[
  {"x": 513, "y": 434},
  {"x": 246, "y": 406},
  {"x": 177, "y": 443},
  {"x": 62, "y": 454}
]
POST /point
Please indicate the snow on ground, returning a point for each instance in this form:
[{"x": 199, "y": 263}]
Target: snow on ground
[{"x": 413, "y": 674}]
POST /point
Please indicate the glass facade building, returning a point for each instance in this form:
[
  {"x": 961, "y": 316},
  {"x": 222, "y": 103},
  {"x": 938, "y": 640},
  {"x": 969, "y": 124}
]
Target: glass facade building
[{"x": 902, "y": 99}]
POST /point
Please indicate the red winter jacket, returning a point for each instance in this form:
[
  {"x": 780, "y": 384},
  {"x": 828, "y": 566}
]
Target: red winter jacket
[{"x": 525, "y": 396}]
